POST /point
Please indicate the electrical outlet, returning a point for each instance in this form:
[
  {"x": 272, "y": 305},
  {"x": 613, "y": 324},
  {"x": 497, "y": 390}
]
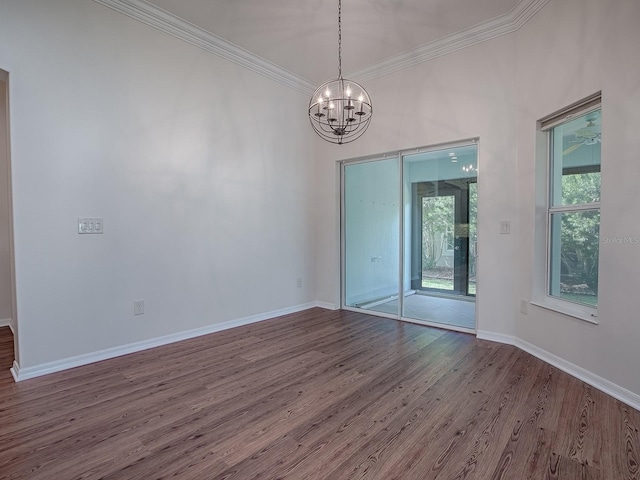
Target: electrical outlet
[
  {"x": 138, "y": 307},
  {"x": 299, "y": 282},
  {"x": 524, "y": 306},
  {"x": 505, "y": 227}
]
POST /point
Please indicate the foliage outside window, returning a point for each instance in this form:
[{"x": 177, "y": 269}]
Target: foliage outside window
[
  {"x": 473, "y": 235},
  {"x": 574, "y": 208},
  {"x": 437, "y": 229}
]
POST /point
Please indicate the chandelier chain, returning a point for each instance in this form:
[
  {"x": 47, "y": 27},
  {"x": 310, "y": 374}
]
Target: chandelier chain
[{"x": 339, "y": 38}]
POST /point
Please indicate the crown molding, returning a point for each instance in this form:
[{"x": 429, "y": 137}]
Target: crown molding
[
  {"x": 502, "y": 25},
  {"x": 169, "y": 23}
]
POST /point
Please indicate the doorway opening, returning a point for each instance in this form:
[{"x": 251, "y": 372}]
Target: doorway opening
[
  {"x": 445, "y": 214},
  {"x": 409, "y": 229},
  {"x": 8, "y": 321}
]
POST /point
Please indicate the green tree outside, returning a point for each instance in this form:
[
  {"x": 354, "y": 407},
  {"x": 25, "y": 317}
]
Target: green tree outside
[{"x": 580, "y": 238}]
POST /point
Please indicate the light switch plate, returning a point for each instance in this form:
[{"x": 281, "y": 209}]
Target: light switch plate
[{"x": 90, "y": 225}]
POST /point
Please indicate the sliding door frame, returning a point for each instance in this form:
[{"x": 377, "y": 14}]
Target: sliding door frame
[
  {"x": 399, "y": 155},
  {"x": 343, "y": 241}
]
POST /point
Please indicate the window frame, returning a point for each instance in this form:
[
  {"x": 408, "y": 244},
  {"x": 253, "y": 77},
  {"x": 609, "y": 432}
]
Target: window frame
[{"x": 546, "y": 125}]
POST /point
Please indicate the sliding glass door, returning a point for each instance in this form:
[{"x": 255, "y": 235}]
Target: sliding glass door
[
  {"x": 371, "y": 226},
  {"x": 409, "y": 245}
]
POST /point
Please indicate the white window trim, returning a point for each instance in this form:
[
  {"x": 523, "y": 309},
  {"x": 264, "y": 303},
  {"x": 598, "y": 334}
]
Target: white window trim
[
  {"x": 575, "y": 310},
  {"x": 541, "y": 297}
]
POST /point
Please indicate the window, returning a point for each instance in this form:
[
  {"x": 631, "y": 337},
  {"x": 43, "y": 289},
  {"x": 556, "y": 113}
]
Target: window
[{"x": 574, "y": 139}]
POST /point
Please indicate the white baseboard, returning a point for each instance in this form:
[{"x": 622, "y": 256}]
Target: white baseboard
[
  {"x": 496, "y": 337},
  {"x": 14, "y": 371},
  {"x": 326, "y": 305},
  {"x": 610, "y": 388},
  {"x": 616, "y": 391},
  {"x": 20, "y": 374},
  {"x": 5, "y": 322}
]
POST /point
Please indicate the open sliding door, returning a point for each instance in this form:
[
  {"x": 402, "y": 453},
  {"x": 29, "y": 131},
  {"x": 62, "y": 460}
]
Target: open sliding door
[{"x": 409, "y": 236}]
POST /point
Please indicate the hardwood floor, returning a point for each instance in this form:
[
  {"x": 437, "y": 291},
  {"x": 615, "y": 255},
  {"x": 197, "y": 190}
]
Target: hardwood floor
[{"x": 315, "y": 395}]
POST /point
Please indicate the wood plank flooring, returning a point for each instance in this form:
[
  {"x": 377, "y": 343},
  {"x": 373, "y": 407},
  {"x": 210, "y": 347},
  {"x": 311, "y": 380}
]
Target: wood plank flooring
[{"x": 315, "y": 395}]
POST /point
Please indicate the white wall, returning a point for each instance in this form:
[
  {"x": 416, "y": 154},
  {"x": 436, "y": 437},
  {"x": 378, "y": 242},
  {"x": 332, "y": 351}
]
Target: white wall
[
  {"x": 5, "y": 224},
  {"x": 569, "y": 50},
  {"x": 208, "y": 213},
  {"x": 497, "y": 91}
]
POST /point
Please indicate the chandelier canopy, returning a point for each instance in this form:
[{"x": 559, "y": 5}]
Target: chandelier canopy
[{"x": 340, "y": 110}]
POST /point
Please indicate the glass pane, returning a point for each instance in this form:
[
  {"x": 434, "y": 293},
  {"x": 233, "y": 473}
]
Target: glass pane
[
  {"x": 581, "y": 188},
  {"x": 575, "y": 240},
  {"x": 473, "y": 236},
  {"x": 439, "y": 222},
  {"x": 372, "y": 235},
  {"x": 576, "y": 161}
]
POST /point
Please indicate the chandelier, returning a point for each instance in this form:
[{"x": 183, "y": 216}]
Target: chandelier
[{"x": 340, "y": 110}]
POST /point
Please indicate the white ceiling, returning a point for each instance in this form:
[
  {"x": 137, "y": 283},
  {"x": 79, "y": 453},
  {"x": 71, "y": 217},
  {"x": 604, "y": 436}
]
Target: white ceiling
[
  {"x": 300, "y": 36},
  {"x": 294, "y": 42}
]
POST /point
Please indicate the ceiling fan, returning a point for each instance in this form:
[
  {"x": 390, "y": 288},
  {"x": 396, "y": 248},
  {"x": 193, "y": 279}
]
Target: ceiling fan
[{"x": 588, "y": 135}]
